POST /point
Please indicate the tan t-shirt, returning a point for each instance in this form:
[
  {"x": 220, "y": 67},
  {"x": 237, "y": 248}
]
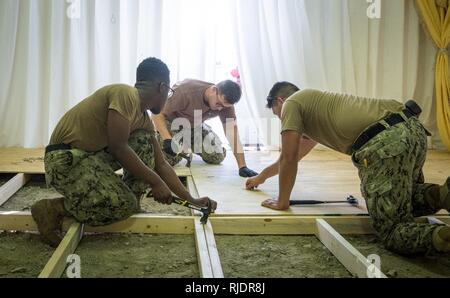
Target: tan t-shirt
[
  {"x": 188, "y": 97},
  {"x": 334, "y": 120},
  {"x": 85, "y": 125}
]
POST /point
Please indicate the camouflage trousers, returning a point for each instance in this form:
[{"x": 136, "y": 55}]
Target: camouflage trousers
[
  {"x": 392, "y": 183},
  {"x": 93, "y": 193},
  {"x": 208, "y": 147}
]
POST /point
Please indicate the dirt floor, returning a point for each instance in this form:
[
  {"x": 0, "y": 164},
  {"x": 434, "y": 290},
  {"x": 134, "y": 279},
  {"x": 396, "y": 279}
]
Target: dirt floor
[
  {"x": 396, "y": 266},
  {"x": 138, "y": 256},
  {"x": 32, "y": 192},
  {"x": 22, "y": 255},
  {"x": 277, "y": 256},
  {"x": 4, "y": 178}
]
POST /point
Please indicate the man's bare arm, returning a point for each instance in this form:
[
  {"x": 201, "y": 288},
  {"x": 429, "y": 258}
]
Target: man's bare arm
[
  {"x": 288, "y": 171},
  {"x": 161, "y": 126}
]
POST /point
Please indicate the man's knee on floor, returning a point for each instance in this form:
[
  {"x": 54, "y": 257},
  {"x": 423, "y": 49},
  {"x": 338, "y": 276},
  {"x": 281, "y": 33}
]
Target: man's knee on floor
[{"x": 214, "y": 158}]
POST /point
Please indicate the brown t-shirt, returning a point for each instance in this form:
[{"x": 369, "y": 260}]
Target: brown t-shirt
[
  {"x": 334, "y": 120},
  {"x": 188, "y": 97},
  {"x": 85, "y": 125}
]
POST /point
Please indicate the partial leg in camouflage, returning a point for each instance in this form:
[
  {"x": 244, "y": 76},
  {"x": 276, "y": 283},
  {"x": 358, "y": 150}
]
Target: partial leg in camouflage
[
  {"x": 172, "y": 160},
  {"x": 93, "y": 193},
  {"x": 140, "y": 142},
  {"x": 212, "y": 150},
  {"x": 390, "y": 168}
]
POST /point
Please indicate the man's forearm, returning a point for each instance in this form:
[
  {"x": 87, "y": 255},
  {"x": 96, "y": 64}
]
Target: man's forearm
[
  {"x": 170, "y": 177},
  {"x": 306, "y": 146},
  {"x": 270, "y": 171},
  {"x": 161, "y": 126},
  {"x": 288, "y": 173}
]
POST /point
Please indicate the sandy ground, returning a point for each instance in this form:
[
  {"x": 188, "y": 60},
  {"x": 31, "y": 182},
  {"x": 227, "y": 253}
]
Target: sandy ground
[
  {"x": 277, "y": 256},
  {"x": 22, "y": 255},
  {"x": 32, "y": 192},
  {"x": 138, "y": 256},
  {"x": 394, "y": 265}
]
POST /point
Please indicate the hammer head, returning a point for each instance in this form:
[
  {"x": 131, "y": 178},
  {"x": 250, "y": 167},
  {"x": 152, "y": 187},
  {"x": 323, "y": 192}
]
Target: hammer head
[
  {"x": 206, "y": 212},
  {"x": 352, "y": 200}
]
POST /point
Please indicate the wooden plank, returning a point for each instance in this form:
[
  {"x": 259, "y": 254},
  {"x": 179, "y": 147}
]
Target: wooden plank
[
  {"x": 262, "y": 225},
  {"x": 209, "y": 261},
  {"x": 8, "y": 189},
  {"x": 204, "y": 261},
  {"x": 138, "y": 224},
  {"x": 21, "y": 160},
  {"x": 350, "y": 257},
  {"x": 145, "y": 224},
  {"x": 57, "y": 263},
  {"x": 288, "y": 225},
  {"x": 213, "y": 252}
]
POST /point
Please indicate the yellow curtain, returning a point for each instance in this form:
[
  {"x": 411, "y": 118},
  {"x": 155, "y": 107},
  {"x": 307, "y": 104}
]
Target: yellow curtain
[{"x": 435, "y": 17}]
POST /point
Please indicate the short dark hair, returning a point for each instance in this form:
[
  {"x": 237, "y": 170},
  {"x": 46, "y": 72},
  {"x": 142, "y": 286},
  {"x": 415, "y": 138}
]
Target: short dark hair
[
  {"x": 280, "y": 89},
  {"x": 230, "y": 90},
  {"x": 153, "y": 70}
]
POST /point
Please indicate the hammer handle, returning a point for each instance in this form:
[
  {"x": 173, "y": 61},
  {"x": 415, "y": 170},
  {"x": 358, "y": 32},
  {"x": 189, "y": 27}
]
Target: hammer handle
[{"x": 312, "y": 202}]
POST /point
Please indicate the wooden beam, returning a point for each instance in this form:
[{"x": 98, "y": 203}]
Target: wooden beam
[
  {"x": 57, "y": 263},
  {"x": 262, "y": 225},
  {"x": 138, "y": 224},
  {"x": 8, "y": 189},
  {"x": 350, "y": 257},
  {"x": 145, "y": 224},
  {"x": 204, "y": 261},
  {"x": 213, "y": 252},
  {"x": 288, "y": 225},
  {"x": 206, "y": 243}
]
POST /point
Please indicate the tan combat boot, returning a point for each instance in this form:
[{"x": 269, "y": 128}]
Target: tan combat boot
[{"x": 49, "y": 215}]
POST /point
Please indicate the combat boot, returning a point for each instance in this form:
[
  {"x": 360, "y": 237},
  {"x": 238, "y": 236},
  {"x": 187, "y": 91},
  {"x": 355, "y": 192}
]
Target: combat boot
[{"x": 49, "y": 216}]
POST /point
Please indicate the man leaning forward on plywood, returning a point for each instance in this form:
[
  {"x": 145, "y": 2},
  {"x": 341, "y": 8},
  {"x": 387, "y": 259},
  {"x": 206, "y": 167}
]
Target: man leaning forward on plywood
[{"x": 388, "y": 145}]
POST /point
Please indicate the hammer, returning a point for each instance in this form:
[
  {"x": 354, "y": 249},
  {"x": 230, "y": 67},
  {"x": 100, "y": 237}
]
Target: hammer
[
  {"x": 350, "y": 200},
  {"x": 206, "y": 211}
]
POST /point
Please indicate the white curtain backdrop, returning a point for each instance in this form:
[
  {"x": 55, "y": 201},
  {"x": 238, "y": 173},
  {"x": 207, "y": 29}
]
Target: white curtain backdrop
[{"x": 54, "y": 53}]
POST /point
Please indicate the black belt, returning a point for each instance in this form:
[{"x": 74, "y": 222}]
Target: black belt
[
  {"x": 412, "y": 110},
  {"x": 56, "y": 147}
]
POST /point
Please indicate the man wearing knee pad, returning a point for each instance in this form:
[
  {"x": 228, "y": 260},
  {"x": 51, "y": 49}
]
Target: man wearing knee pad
[{"x": 181, "y": 123}]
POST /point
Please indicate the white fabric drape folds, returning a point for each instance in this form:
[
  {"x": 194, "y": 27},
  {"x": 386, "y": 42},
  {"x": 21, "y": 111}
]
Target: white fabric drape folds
[
  {"x": 333, "y": 45},
  {"x": 49, "y": 61}
]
